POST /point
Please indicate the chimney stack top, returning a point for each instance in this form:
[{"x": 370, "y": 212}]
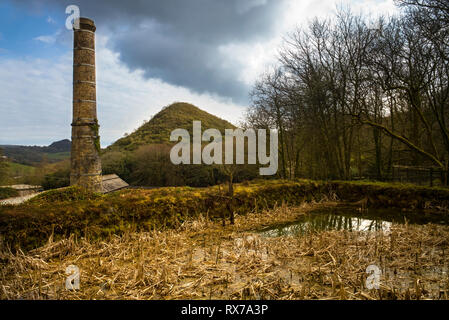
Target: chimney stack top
[{"x": 87, "y": 24}]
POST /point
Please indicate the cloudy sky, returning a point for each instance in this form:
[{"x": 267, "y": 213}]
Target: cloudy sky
[{"x": 149, "y": 54}]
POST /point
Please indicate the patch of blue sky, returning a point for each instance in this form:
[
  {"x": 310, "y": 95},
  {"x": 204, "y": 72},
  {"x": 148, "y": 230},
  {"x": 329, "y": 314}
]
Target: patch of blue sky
[{"x": 30, "y": 34}]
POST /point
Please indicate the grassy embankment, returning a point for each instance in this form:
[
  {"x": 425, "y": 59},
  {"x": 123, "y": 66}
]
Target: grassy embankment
[{"x": 58, "y": 214}]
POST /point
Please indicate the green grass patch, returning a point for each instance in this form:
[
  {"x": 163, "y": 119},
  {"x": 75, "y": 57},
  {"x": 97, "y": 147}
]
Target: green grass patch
[
  {"x": 58, "y": 156},
  {"x": 68, "y": 194},
  {"x": 17, "y": 169},
  {"x": 6, "y": 193}
]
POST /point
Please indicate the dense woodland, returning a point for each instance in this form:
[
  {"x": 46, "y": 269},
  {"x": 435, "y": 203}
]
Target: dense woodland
[{"x": 352, "y": 97}]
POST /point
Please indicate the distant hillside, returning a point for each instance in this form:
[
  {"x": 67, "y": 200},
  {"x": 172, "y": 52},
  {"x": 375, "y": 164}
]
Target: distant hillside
[
  {"x": 157, "y": 130},
  {"x": 30, "y": 155},
  {"x": 59, "y": 146}
]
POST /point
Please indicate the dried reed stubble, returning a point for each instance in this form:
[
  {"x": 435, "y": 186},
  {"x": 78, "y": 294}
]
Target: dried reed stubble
[{"x": 202, "y": 260}]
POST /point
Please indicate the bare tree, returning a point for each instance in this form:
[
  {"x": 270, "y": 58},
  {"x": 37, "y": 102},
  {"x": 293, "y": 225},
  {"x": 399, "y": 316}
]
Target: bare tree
[{"x": 348, "y": 97}]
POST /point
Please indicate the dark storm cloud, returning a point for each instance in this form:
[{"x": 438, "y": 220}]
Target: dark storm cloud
[{"x": 179, "y": 41}]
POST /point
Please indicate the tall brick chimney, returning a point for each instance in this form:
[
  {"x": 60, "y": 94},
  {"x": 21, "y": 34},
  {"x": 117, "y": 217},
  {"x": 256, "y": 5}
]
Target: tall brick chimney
[{"x": 85, "y": 153}]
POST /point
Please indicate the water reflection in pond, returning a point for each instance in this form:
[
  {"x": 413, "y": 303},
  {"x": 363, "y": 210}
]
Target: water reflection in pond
[{"x": 352, "y": 219}]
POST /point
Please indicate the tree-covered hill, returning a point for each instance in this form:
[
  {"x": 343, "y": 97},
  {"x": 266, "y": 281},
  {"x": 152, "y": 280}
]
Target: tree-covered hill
[
  {"x": 31, "y": 155},
  {"x": 157, "y": 130},
  {"x": 143, "y": 157}
]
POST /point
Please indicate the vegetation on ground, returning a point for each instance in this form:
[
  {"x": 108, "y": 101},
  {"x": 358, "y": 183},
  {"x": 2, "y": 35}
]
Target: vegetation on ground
[
  {"x": 60, "y": 213},
  {"x": 49, "y": 175},
  {"x": 33, "y": 155},
  {"x": 348, "y": 100},
  {"x": 4, "y": 167},
  {"x": 200, "y": 259},
  {"x": 6, "y": 193},
  {"x": 68, "y": 194},
  {"x": 56, "y": 176}
]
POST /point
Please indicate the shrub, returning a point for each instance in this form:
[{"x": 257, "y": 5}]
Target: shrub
[
  {"x": 8, "y": 193},
  {"x": 58, "y": 179},
  {"x": 72, "y": 193}
]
